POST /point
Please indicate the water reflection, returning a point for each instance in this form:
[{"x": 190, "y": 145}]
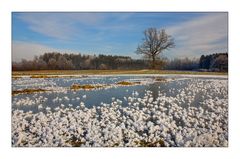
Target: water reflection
[{"x": 95, "y": 97}]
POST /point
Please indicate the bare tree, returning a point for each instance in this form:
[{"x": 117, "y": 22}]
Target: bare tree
[{"x": 155, "y": 42}]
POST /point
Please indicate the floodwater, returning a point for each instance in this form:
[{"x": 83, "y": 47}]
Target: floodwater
[
  {"x": 97, "y": 97},
  {"x": 171, "y": 110}
]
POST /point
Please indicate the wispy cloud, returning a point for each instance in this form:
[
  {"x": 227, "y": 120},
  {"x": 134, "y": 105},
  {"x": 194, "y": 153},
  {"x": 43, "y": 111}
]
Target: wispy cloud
[
  {"x": 67, "y": 26},
  {"x": 117, "y": 33},
  {"x": 28, "y": 50},
  {"x": 60, "y": 26},
  {"x": 202, "y": 35}
]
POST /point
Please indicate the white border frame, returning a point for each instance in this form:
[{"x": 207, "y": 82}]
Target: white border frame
[{"x": 6, "y": 9}]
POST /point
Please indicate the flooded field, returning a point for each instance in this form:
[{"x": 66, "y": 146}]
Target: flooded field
[{"x": 122, "y": 111}]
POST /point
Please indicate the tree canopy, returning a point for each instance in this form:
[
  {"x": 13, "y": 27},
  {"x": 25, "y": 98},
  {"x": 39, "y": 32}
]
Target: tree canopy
[{"x": 154, "y": 42}]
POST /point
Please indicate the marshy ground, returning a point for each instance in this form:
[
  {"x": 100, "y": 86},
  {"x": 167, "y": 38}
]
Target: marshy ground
[{"x": 120, "y": 110}]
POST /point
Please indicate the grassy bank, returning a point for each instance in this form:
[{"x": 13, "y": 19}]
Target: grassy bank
[{"x": 107, "y": 72}]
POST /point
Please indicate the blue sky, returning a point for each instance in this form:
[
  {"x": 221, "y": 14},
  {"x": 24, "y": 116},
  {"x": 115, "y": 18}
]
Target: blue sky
[{"x": 115, "y": 33}]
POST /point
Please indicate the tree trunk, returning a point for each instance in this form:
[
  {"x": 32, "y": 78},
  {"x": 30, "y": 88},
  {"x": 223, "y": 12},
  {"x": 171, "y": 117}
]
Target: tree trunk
[{"x": 153, "y": 62}]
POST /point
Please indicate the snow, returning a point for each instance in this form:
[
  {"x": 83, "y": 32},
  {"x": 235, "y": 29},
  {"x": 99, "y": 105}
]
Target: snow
[{"x": 175, "y": 120}]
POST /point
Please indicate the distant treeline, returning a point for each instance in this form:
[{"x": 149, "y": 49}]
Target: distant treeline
[
  {"x": 59, "y": 61},
  {"x": 182, "y": 64},
  {"x": 214, "y": 62}
]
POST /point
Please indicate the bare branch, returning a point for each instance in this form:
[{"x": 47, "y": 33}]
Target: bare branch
[{"x": 154, "y": 43}]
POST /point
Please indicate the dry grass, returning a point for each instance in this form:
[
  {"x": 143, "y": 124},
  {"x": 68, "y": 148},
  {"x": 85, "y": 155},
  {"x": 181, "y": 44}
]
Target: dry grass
[
  {"x": 85, "y": 87},
  {"x": 159, "y": 79},
  {"x": 125, "y": 83},
  {"x": 75, "y": 142},
  {"x": 107, "y": 72},
  {"x": 28, "y": 91},
  {"x": 89, "y": 87},
  {"x": 55, "y": 76},
  {"x": 143, "y": 143},
  {"x": 43, "y": 76},
  {"x": 16, "y": 77}
]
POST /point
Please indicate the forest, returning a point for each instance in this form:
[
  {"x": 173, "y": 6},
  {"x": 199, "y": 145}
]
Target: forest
[{"x": 62, "y": 61}]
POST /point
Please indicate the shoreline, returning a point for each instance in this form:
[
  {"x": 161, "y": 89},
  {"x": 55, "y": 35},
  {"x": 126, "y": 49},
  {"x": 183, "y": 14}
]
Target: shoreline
[
  {"x": 112, "y": 75},
  {"x": 115, "y": 72}
]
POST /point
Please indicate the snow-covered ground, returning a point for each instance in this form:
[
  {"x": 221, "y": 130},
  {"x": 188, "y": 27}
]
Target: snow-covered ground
[{"x": 193, "y": 113}]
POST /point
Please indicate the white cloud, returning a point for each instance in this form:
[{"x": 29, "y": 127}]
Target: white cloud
[
  {"x": 85, "y": 18},
  {"x": 58, "y": 25},
  {"x": 28, "y": 50},
  {"x": 202, "y": 35},
  {"x": 47, "y": 25},
  {"x": 65, "y": 26}
]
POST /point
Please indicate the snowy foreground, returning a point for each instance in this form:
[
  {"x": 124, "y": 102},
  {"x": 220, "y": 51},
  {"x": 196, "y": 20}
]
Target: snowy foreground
[{"x": 176, "y": 120}]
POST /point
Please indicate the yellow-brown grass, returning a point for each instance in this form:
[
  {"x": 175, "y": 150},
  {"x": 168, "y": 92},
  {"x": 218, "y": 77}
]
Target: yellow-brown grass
[
  {"x": 16, "y": 77},
  {"x": 85, "y": 87},
  {"x": 43, "y": 76},
  {"x": 126, "y": 83},
  {"x": 28, "y": 91},
  {"x": 106, "y": 72},
  {"x": 160, "y": 79},
  {"x": 143, "y": 143}
]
